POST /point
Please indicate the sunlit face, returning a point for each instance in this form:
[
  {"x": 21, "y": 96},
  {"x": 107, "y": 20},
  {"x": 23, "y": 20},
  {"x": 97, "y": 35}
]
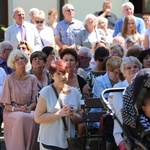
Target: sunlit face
[
  {"x": 32, "y": 16},
  {"x": 19, "y": 62},
  {"x": 19, "y": 16},
  {"x": 84, "y": 59},
  {"x": 114, "y": 75},
  {"x": 69, "y": 13},
  {"x": 131, "y": 24},
  {"x": 70, "y": 60},
  {"x": 114, "y": 52},
  {"x": 130, "y": 69},
  {"x": 23, "y": 48},
  {"x": 91, "y": 22},
  {"x": 146, "y": 61},
  {"x": 128, "y": 11},
  {"x": 38, "y": 62},
  {"x": 107, "y": 6},
  {"x": 147, "y": 22},
  {"x": 40, "y": 23},
  {"x": 60, "y": 77},
  {"x": 102, "y": 24},
  {"x": 53, "y": 16},
  {"x": 146, "y": 109}
]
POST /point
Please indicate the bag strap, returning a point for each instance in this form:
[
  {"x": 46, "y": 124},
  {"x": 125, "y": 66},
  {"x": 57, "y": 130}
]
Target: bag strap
[{"x": 63, "y": 118}]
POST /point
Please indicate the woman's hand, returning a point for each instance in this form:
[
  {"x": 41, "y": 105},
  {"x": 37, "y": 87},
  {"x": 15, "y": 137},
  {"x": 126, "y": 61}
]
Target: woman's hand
[
  {"x": 67, "y": 110},
  {"x": 25, "y": 109}
]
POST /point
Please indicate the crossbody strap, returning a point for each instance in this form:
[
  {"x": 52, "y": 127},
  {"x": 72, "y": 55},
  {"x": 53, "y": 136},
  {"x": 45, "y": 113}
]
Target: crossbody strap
[{"x": 60, "y": 103}]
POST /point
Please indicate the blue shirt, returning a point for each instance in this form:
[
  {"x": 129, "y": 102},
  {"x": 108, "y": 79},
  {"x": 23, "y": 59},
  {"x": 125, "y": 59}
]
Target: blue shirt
[
  {"x": 139, "y": 25},
  {"x": 68, "y": 30}
]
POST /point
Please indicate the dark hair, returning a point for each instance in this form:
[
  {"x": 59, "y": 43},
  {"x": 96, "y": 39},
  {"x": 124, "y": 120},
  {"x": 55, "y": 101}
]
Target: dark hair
[
  {"x": 69, "y": 51},
  {"x": 38, "y": 54},
  {"x": 146, "y": 98},
  {"x": 101, "y": 52},
  {"x": 143, "y": 54},
  {"x": 134, "y": 50},
  {"x": 58, "y": 65},
  {"x": 47, "y": 50}
]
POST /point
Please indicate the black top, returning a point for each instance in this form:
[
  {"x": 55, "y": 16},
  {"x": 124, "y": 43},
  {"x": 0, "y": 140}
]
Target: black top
[
  {"x": 81, "y": 82},
  {"x": 112, "y": 18}
]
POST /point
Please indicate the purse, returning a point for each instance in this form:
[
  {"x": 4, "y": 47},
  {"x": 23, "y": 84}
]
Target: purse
[{"x": 76, "y": 143}]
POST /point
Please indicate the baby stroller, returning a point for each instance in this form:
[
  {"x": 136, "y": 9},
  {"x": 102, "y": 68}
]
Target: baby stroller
[{"x": 135, "y": 136}]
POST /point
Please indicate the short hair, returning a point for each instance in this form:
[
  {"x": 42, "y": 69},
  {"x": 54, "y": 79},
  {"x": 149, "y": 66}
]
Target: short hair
[
  {"x": 40, "y": 15},
  {"x": 102, "y": 19},
  {"x": 113, "y": 63},
  {"x": 127, "y": 60},
  {"x": 146, "y": 16},
  {"x": 125, "y": 26},
  {"x": 118, "y": 39},
  {"x": 12, "y": 56},
  {"x": 66, "y": 6},
  {"x": 86, "y": 49},
  {"x": 33, "y": 10},
  {"x": 38, "y": 54},
  {"x": 52, "y": 11},
  {"x": 25, "y": 43},
  {"x": 5, "y": 45},
  {"x": 119, "y": 49},
  {"x": 16, "y": 9},
  {"x": 69, "y": 51},
  {"x": 127, "y": 4},
  {"x": 107, "y": 2},
  {"x": 87, "y": 17},
  {"x": 47, "y": 50},
  {"x": 101, "y": 52},
  {"x": 134, "y": 50},
  {"x": 58, "y": 65}
]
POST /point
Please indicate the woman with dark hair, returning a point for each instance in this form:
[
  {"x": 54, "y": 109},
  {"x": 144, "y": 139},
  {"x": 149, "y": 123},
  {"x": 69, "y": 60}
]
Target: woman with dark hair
[
  {"x": 144, "y": 58},
  {"x": 38, "y": 60},
  {"x": 49, "y": 51},
  {"x": 70, "y": 56},
  {"x": 49, "y": 111}
]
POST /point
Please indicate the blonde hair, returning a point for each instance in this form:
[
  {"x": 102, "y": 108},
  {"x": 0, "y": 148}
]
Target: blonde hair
[
  {"x": 113, "y": 63},
  {"x": 12, "y": 56},
  {"x": 40, "y": 15}
]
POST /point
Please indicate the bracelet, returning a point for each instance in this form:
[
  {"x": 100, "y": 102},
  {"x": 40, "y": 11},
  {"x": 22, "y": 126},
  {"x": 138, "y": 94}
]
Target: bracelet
[{"x": 13, "y": 108}]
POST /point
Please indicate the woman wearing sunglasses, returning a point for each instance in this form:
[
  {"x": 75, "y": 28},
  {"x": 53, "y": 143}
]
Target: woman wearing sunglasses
[{"x": 45, "y": 33}]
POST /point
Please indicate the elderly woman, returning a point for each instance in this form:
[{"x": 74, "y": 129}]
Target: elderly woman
[
  {"x": 25, "y": 47},
  {"x": 129, "y": 67},
  {"x": 45, "y": 33},
  {"x": 52, "y": 108},
  {"x": 103, "y": 25},
  {"x": 37, "y": 61},
  {"x": 117, "y": 50},
  {"x": 90, "y": 35},
  {"x": 19, "y": 98}
]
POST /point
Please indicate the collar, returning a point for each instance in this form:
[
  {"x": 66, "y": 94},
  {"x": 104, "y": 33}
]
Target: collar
[
  {"x": 2, "y": 60},
  {"x": 72, "y": 22},
  {"x": 18, "y": 26}
]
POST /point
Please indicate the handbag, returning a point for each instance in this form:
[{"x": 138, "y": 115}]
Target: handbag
[{"x": 76, "y": 143}]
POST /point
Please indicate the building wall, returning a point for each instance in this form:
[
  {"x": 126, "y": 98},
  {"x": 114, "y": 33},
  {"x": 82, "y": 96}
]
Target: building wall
[{"x": 82, "y": 7}]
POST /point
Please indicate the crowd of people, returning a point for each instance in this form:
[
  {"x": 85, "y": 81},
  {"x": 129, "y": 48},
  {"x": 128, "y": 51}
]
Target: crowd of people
[{"x": 47, "y": 67}]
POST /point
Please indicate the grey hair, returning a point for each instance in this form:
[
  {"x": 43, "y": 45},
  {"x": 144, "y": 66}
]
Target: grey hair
[
  {"x": 130, "y": 59},
  {"x": 127, "y": 4},
  {"x": 119, "y": 49},
  {"x": 66, "y": 6},
  {"x": 5, "y": 45},
  {"x": 87, "y": 17},
  {"x": 16, "y": 9},
  {"x": 33, "y": 10},
  {"x": 12, "y": 56},
  {"x": 86, "y": 49},
  {"x": 103, "y": 19}
]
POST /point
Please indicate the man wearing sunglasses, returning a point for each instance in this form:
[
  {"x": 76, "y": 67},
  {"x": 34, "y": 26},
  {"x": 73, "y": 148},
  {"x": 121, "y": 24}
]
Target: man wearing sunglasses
[
  {"x": 67, "y": 28},
  {"x": 22, "y": 30}
]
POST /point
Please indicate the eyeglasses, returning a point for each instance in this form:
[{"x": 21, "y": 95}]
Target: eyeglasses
[
  {"x": 8, "y": 49},
  {"x": 133, "y": 67},
  {"x": 23, "y": 48},
  {"x": 39, "y": 22},
  {"x": 69, "y": 10}
]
